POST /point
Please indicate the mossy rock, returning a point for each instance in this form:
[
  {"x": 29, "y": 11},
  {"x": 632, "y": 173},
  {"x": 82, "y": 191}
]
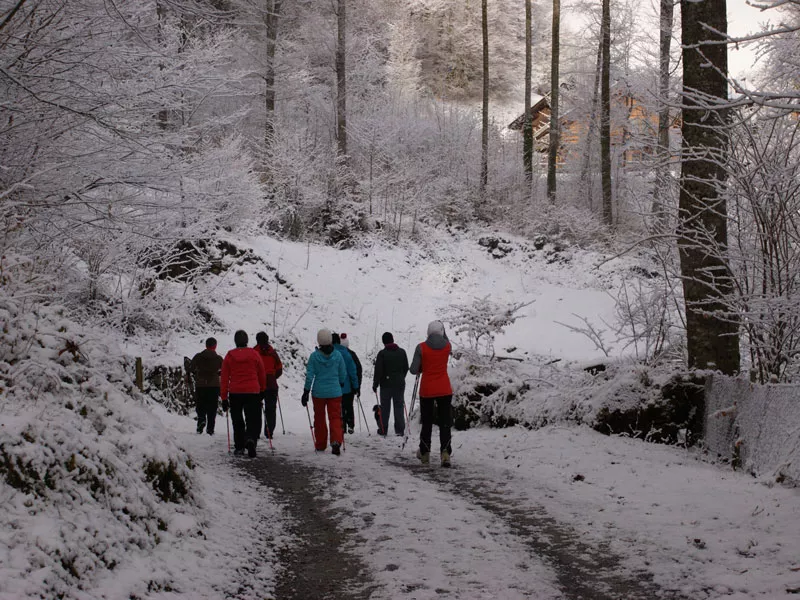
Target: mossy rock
[{"x": 679, "y": 407}]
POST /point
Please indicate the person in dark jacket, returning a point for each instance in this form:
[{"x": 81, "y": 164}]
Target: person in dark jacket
[
  {"x": 326, "y": 375},
  {"x": 205, "y": 367},
  {"x": 348, "y": 410},
  {"x": 350, "y": 387},
  {"x": 244, "y": 381},
  {"x": 391, "y": 368},
  {"x": 435, "y": 391},
  {"x": 273, "y": 369}
]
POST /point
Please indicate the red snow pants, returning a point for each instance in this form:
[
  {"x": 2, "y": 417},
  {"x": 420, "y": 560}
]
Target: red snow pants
[{"x": 334, "y": 408}]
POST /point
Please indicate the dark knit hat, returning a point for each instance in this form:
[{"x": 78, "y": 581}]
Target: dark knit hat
[
  {"x": 387, "y": 338},
  {"x": 262, "y": 339},
  {"x": 240, "y": 339},
  {"x": 211, "y": 343}
]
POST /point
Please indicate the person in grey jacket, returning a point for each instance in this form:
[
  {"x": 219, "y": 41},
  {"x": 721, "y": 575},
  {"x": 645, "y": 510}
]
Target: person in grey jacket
[{"x": 391, "y": 368}]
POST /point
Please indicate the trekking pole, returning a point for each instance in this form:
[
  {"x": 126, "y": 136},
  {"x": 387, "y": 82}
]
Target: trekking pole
[
  {"x": 280, "y": 412},
  {"x": 311, "y": 427},
  {"x": 228, "y": 427},
  {"x": 361, "y": 406},
  {"x": 414, "y": 395},
  {"x": 410, "y": 413}
]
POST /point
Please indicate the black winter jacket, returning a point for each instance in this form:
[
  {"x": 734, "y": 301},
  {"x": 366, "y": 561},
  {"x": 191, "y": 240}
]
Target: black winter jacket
[
  {"x": 359, "y": 369},
  {"x": 391, "y": 367},
  {"x": 205, "y": 367}
]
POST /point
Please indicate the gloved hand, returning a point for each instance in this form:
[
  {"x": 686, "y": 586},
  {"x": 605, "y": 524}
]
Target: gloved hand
[
  {"x": 304, "y": 399},
  {"x": 375, "y": 389},
  {"x": 357, "y": 392},
  {"x": 225, "y": 406}
]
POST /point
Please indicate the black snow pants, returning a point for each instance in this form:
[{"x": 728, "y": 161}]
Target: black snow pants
[
  {"x": 348, "y": 412},
  {"x": 392, "y": 397},
  {"x": 270, "y": 406},
  {"x": 246, "y": 418},
  {"x": 207, "y": 408},
  {"x": 444, "y": 416}
]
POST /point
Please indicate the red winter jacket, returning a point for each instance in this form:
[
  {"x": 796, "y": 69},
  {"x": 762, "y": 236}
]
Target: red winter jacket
[
  {"x": 435, "y": 381},
  {"x": 272, "y": 365},
  {"x": 242, "y": 373}
]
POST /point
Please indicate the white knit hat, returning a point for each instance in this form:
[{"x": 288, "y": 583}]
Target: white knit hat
[
  {"x": 345, "y": 340},
  {"x": 324, "y": 337},
  {"x": 435, "y": 327}
]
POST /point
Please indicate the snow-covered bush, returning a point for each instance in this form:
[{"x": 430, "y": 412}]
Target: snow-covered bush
[
  {"x": 764, "y": 249},
  {"x": 89, "y": 478},
  {"x": 656, "y": 404},
  {"x": 479, "y": 376},
  {"x": 481, "y": 321}
]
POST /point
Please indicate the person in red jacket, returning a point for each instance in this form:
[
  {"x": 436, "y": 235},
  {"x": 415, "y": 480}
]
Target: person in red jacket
[
  {"x": 435, "y": 391},
  {"x": 243, "y": 382},
  {"x": 274, "y": 369}
]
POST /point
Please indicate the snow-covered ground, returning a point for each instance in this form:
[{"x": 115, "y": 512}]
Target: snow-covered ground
[
  {"x": 366, "y": 292},
  {"x": 521, "y": 512}
]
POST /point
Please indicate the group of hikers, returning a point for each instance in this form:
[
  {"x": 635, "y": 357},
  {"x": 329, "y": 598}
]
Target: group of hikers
[{"x": 246, "y": 381}]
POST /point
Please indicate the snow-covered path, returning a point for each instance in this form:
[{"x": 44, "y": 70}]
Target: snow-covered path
[{"x": 555, "y": 513}]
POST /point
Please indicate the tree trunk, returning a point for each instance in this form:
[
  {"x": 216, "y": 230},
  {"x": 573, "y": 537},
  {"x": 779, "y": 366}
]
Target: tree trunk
[
  {"x": 712, "y": 335},
  {"x": 605, "y": 114},
  {"x": 341, "y": 81},
  {"x": 161, "y": 15},
  {"x": 527, "y": 126},
  {"x": 485, "y": 112},
  {"x": 661, "y": 191},
  {"x": 552, "y": 156},
  {"x": 586, "y": 181},
  {"x": 273, "y": 13}
]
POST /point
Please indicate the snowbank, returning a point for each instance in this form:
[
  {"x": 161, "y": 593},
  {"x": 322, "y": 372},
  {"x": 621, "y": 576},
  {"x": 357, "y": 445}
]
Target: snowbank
[
  {"x": 755, "y": 426},
  {"x": 98, "y": 499}
]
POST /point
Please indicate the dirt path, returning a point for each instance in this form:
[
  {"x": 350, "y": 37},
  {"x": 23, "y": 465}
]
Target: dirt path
[
  {"x": 583, "y": 571},
  {"x": 318, "y": 568}
]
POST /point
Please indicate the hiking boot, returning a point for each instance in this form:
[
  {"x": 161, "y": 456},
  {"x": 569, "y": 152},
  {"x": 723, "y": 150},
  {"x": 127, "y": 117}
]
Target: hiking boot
[
  {"x": 251, "y": 448},
  {"x": 424, "y": 457},
  {"x": 238, "y": 452},
  {"x": 445, "y": 459},
  {"x": 335, "y": 449},
  {"x": 351, "y": 430}
]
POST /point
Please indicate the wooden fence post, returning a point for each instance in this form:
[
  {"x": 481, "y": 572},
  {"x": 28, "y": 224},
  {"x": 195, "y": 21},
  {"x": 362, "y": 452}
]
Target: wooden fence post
[{"x": 139, "y": 374}]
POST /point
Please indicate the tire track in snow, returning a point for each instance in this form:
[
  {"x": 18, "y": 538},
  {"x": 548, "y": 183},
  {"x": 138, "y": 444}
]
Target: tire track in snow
[
  {"x": 318, "y": 568},
  {"x": 583, "y": 571}
]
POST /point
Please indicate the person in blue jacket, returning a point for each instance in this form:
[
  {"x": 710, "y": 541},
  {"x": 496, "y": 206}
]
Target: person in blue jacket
[
  {"x": 351, "y": 387},
  {"x": 326, "y": 376}
]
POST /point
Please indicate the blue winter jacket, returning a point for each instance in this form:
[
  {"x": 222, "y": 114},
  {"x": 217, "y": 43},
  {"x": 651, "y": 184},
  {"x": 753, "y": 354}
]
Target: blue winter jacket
[
  {"x": 325, "y": 374},
  {"x": 351, "y": 382}
]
